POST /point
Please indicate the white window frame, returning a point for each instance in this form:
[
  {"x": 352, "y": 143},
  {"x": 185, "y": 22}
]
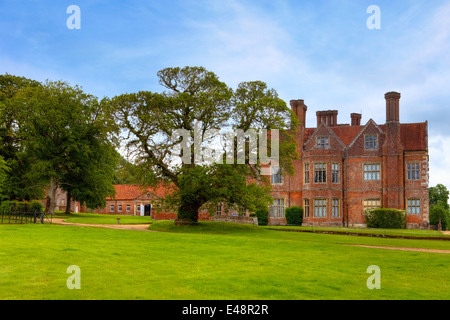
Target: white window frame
[
  {"x": 413, "y": 174},
  {"x": 335, "y": 173},
  {"x": 371, "y": 203},
  {"x": 320, "y": 208},
  {"x": 277, "y": 209},
  {"x": 320, "y": 167},
  {"x": 219, "y": 210},
  {"x": 335, "y": 208},
  {"x": 306, "y": 208},
  {"x": 306, "y": 168},
  {"x": 371, "y": 171},
  {"x": 413, "y": 206},
  {"x": 371, "y": 144},
  {"x": 323, "y": 142}
]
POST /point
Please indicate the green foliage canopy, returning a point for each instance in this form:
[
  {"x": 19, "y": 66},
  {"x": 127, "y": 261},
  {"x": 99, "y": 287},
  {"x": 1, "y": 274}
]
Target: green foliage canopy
[
  {"x": 196, "y": 100},
  {"x": 69, "y": 141},
  {"x": 439, "y": 193}
]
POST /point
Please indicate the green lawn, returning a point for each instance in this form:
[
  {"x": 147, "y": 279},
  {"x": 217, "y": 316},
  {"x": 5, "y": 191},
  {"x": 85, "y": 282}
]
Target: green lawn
[
  {"x": 408, "y": 233},
  {"x": 93, "y": 218},
  {"x": 213, "y": 261}
]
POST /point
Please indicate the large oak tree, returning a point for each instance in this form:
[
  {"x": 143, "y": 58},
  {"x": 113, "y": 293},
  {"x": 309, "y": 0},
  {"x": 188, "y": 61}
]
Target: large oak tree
[{"x": 196, "y": 101}]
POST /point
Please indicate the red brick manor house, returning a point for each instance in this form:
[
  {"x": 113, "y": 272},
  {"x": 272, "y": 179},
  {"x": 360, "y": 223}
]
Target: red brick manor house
[{"x": 344, "y": 169}]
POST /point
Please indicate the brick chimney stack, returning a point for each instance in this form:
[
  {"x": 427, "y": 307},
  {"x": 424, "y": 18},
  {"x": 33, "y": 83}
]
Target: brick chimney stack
[
  {"x": 393, "y": 163},
  {"x": 392, "y": 107},
  {"x": 328, "y": 117},
  {"x": 356, "y": 119},
  {"x": 299, "y": 108}
]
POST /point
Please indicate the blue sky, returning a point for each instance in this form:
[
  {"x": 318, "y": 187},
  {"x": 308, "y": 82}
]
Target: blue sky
[{"x": 319, "y": 51}]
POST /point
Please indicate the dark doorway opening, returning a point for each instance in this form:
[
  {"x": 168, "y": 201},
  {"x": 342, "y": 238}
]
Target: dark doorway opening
[{"x": 148, "y": 210}]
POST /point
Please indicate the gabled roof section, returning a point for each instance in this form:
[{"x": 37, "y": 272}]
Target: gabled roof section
[
  {"x": 347, "y": 133},
  {"x": 364, "y": 129},
  {"x": 316, "y": 130}
]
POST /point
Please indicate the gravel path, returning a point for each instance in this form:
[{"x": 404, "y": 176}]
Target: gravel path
[{"x": 403, "y": 249}]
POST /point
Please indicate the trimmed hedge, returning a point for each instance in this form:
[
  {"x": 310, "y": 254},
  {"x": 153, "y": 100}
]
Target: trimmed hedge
[
  {"x": 386, "y": 218},
  {"x": 7, "y": 207},
  {"x": 263, "y": 216},
  {"x": 294, "y": 216}
]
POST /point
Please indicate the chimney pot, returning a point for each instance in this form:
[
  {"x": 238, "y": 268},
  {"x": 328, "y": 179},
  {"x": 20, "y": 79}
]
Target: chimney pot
[
  {"x": 328, "y": 117},
  {"x": 356, "y": 119}
]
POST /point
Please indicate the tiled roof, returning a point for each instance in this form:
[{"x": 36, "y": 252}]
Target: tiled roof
[
  {"x": 347, "y": 134},
  {"x": 413, "y": 135},
  {"x": 129, "y": 192}
]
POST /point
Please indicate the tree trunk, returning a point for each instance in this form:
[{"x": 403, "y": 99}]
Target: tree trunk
[
  {"x": 50, "y": 202},
  {"x": 188, "y": 214},
  {"x": 68, "y": 202}
]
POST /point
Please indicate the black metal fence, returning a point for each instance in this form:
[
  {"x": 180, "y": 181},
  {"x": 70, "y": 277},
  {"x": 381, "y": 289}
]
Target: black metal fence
[{"x": 8, "y": 217}]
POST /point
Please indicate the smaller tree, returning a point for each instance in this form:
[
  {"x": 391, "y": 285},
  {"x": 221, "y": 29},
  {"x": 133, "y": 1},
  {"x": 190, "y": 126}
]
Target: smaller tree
[
  {"x": 70, "y": 143},
  {"x": 3, "y": 176},
  {"x": 19, "y": 182},
  {"x": 439, "y": 193},
  {"x": 439, "y": 215}
]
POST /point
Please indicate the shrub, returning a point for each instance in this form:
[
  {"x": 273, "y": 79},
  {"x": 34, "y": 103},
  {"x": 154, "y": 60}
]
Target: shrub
[
  {"x": 263, "y": 216},
  {"x": 7, "y": 207},
  {"x": 22, "y": 207},
  {"x": 385, "y": 218},
  {"x": 294, "y": 216},
  {"x": 36, "y": 206}
]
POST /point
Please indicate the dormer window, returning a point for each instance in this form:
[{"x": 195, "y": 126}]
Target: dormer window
[{"x": 323, "y": 142}]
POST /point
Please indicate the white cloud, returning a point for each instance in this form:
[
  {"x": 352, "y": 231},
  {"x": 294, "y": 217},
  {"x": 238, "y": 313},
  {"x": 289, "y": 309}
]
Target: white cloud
[
  {"x": 439, "y": 152},
  {"x": 242, "y": 44},
  {"x": 25, "y": 69}
]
